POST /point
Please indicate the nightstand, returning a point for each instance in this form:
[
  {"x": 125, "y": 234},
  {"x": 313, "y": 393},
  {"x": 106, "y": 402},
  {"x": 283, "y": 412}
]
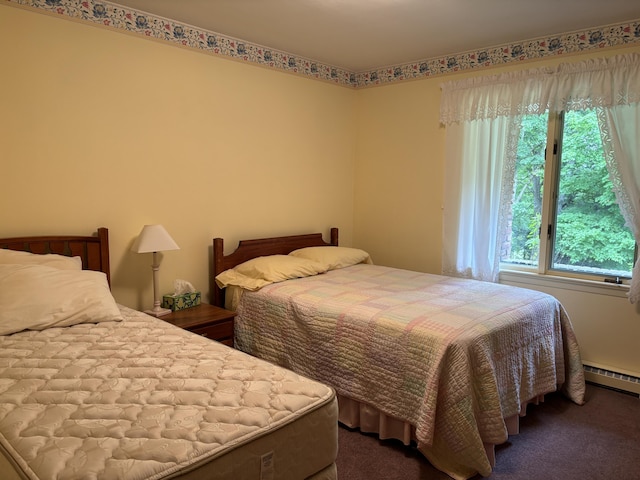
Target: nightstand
[{"x": 207, "y": 320}]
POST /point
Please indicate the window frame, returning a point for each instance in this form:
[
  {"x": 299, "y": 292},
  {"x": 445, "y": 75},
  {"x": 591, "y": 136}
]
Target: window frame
[{"x": 553, "y": 154}]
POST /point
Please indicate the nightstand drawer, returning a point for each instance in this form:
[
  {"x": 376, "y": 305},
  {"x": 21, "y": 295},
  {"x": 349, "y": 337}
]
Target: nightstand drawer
[
  {"x": 212, "y": 322},
  {"x": 219, "y": 331}
]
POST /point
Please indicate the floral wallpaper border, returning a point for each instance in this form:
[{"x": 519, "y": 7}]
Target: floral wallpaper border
[{"x": 115, "y": 16}]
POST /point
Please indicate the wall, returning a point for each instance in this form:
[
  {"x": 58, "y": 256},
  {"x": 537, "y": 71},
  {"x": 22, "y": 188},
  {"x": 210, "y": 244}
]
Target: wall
[
  {"x": 399, "y": 173},
  {"x": 101, "y": 128},
  {"x": 398, "y": 215}
]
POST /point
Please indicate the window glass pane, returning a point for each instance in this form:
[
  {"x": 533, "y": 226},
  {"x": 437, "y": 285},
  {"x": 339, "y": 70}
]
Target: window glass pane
[
  {"x": 590, "y": 236},
  {"x": 522, "y": 243}
]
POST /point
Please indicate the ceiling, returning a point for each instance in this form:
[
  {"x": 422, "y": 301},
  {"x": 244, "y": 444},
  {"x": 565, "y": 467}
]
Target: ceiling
[{"x": 360, "y": 35}]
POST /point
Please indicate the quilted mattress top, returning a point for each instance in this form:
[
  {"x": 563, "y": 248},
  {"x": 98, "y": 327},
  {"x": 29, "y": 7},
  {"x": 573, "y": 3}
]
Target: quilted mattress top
[{"x": 137, "y": 399}]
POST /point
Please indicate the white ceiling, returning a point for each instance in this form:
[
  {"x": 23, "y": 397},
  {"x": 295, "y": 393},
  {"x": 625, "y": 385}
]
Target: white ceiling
[{"x": 361, "y": 35}]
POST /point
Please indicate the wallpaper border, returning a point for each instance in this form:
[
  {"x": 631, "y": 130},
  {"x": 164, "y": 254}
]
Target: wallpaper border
[{"x": 133, "y": 21}]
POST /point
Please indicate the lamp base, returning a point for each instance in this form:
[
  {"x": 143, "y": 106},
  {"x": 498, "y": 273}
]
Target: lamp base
[{"x": 158, "y": 312}]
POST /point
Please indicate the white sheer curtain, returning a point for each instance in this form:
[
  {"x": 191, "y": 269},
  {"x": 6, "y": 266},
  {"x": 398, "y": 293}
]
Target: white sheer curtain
[
  {"x": 482, "y": 116},
  {"x": 476, "y": 193},
  {"x": 483, "y": 107},
  {"x": 620, "y": 130}
]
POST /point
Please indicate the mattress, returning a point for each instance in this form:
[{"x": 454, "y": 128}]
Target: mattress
[
  {"x": 144, "y": 399},
  {"x": 451, "y": 357}
]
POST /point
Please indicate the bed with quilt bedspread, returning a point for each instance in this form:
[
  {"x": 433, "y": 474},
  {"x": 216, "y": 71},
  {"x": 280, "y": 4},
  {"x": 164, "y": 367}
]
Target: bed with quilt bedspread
[
  {"x": 449, "y": 363},
  {"x": 92, "y": 389}
]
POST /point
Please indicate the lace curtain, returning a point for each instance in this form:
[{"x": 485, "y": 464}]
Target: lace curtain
[
  {"x": 473, "y": 110},
  {"x": 619, "y": 130},
  {"x": 476, "y": 193},
  {"x": 575, "y": 86}
]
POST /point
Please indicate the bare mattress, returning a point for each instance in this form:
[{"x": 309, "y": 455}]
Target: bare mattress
[{"x": 146, "y": 400}]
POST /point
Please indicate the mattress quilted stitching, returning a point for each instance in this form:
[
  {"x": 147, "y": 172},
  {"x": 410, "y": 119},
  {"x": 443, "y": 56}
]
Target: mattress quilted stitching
[{"x": 136, "y": 399}]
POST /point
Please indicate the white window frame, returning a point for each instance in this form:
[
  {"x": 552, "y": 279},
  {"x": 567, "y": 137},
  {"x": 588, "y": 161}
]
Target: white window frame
[{"x": 556, "y": 278}]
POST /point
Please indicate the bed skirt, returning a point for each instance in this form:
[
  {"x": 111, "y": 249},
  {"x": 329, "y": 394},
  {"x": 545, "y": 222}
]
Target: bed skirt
[{"x": 368, "y": 419}]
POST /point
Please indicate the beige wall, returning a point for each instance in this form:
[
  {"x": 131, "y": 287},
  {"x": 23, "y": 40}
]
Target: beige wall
[
  {"x": 103, "y": 128},
  {"x": 109, "y": 129},
  {"x": 399, "y": 172}
]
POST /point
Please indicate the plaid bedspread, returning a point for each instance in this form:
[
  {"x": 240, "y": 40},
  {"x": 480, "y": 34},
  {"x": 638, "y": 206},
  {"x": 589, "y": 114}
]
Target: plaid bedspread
[{"x": 453, "y": 357}]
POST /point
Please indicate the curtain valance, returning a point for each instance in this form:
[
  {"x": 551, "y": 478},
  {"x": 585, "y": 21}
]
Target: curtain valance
[{"x": 569, "y": 86}]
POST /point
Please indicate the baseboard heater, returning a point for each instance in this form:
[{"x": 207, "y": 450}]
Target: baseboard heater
[{"x": 609, "y": 378}]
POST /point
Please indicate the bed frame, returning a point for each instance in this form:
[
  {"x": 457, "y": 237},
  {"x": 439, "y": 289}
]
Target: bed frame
[
  {"x": 248, "y": 249},
  {"x": 94, "y": 250}
]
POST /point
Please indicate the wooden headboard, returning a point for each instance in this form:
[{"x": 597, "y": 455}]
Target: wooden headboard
[
  {"x": 94, "y": 250},
  {"x": 248, "y": 249}
]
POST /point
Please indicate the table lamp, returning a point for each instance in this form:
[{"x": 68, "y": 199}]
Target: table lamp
[{"x": 154, "y": 238}]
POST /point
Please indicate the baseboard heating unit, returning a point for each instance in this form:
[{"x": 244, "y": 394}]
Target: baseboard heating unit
[{"x": 609, "y": 378}]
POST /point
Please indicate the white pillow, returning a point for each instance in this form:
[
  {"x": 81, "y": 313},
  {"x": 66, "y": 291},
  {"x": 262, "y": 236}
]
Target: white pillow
[
  {"x": 36, "y": 297},
  {"x": 60, "y": 262},
  {"x": 333, "y": 257}
]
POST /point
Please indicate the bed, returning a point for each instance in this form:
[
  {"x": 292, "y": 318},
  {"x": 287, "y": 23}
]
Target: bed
[
  {"x": 103, "y": 391},
  {"x": 447, "y": 363}
]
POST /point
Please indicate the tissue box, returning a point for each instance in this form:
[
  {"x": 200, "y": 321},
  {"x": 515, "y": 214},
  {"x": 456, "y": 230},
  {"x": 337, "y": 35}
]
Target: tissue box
[{"x": 180, "y": 302}]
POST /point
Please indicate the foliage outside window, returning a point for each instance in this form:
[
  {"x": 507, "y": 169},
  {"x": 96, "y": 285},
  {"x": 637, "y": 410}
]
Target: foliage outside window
[{"x": 568, "y": 222}]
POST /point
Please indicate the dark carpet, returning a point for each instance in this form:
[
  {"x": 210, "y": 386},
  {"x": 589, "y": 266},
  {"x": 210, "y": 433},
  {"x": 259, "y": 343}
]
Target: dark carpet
[{"x": 558, "y": 440}]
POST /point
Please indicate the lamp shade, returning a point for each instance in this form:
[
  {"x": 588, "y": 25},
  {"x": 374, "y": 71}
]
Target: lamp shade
[{"x": 154, "y": 238}]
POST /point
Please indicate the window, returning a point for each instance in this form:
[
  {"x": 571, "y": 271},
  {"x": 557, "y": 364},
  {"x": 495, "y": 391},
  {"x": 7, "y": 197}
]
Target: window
[{"x": 564, "y": 218}]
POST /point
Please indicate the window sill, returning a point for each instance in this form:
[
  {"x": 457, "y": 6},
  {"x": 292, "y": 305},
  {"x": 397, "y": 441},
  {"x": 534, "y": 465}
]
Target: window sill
[{"x": 567, "y": 283}]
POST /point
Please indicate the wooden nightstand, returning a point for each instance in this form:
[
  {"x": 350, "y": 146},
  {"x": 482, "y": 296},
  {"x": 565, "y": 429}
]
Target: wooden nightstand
[{"x": 207, "y": 320}]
